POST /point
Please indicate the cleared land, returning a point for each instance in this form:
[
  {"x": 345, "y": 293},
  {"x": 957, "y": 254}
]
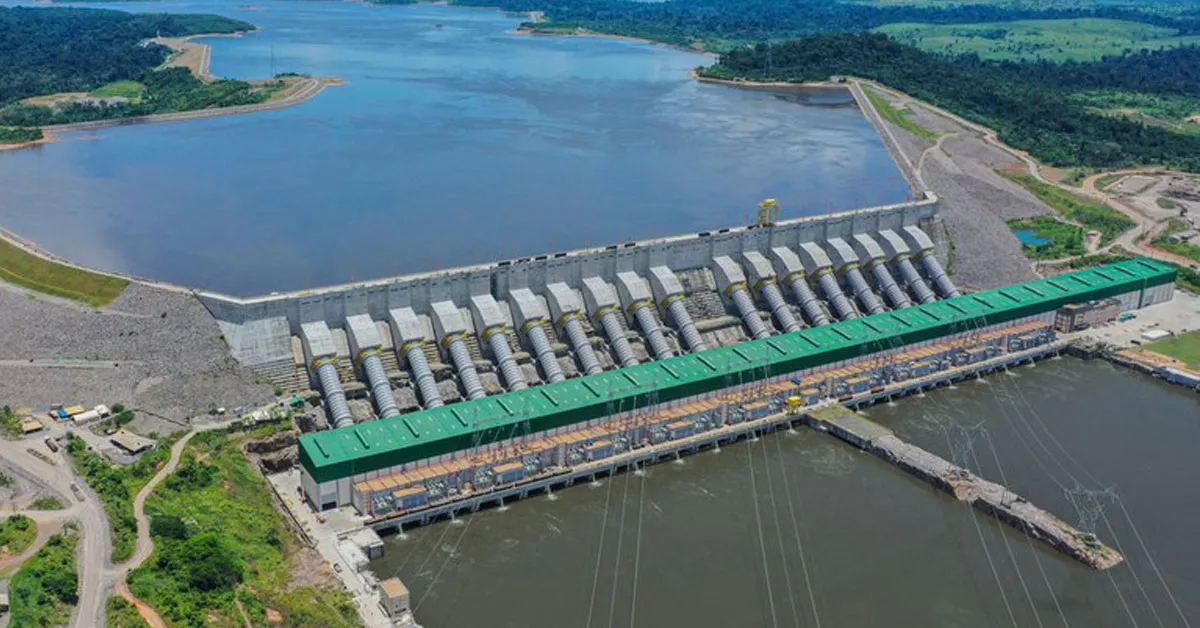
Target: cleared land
[
  {"x": 1184, "y": 347},
  {"x": 1085, "y": 39},
  {"x": 1051, "y": 238},
  {"x": 1091, "y": 214},
  {"x": 132, "y": 90},
  {"x": 901, "y": 117},
  {"x": 24, "y": 269},
  {"x": 223, "y": 552},
  {"x": 169, "y": 361}
]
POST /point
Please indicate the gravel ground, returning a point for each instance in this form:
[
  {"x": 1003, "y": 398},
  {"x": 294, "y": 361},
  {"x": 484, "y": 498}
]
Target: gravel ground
[
  {"x": 975, "y": 202},
  {"x": 170, "y": 359}
]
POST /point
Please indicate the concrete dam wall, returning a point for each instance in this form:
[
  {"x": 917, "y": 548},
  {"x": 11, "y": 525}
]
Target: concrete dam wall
[{"x": 423, "y": 340}]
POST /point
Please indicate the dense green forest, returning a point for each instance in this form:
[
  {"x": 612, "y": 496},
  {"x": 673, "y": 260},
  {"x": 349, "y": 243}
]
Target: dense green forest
[
  {"x": 50, "y": 50},
  {"x": 1031, "y": 105},
  {"x": 166, "y": 91},
  {"x": 720, "y": 24}
]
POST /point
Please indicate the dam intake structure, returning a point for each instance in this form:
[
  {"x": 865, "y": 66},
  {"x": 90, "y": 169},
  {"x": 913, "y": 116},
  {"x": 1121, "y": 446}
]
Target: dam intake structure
[{"x": 395, "y": 346}]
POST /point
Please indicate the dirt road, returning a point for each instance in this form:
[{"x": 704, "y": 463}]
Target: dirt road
[{"x": 145, "y": 543}]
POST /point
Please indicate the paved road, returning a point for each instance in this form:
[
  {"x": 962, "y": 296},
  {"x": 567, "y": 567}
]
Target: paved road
[{"x": 95, "y": 572}]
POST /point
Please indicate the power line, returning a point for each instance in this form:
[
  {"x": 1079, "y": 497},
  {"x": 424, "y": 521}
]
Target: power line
[
  {"x": 796, "y": 530},
  {"x": 954, "y": 447},
  {"x": 762, "y": 543},
  {"x": 787, "y": 577},
  {"x": 637, "y": 551}
]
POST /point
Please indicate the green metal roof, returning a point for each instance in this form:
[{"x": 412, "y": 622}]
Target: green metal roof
[{"x": 396, "y": 440}]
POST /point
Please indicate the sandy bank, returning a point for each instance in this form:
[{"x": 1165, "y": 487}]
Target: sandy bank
[
  {"x": 306, "y": 88},
  {"x": 197, "y": 57}
]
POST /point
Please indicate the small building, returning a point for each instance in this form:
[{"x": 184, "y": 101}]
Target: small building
[
  {"x": 131, "y": 443},
  {"x": 85, "y": 417},
  {"x": 393, "y": 595},
  {"x": 73, "y": 410},
  {"x": 31, "y": 425},
  {"x": 1155, "y": 334},
  {"x": 1078, "y": 316}
]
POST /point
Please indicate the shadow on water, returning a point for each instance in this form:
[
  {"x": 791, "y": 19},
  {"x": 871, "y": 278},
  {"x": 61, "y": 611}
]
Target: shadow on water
[{"x": 877, "y": 548}]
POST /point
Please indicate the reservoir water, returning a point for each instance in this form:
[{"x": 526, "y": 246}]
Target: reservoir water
[
  {"x": 798, "y": 529},
  {"x": 449, "y": 146}
]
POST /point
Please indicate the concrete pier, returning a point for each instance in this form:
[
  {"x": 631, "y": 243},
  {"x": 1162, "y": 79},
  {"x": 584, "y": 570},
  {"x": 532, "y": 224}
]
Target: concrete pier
[{"x": 986, "y": 496}]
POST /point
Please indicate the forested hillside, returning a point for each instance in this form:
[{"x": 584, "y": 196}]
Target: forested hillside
[
  {"x": 49, "y": 50},
  {"x": 1032, "y": 105},
  {"x": 720, "y": 24}
]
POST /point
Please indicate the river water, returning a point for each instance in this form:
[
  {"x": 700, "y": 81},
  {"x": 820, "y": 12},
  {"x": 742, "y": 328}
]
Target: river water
[
  {"x": 449, "y": 146},
  {"x": 799, "y": 529}
]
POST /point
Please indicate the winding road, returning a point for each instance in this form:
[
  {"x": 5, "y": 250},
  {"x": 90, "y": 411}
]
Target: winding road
[
  {"x": 95, "y": 573},
  {"x": 145, "y": 543}
]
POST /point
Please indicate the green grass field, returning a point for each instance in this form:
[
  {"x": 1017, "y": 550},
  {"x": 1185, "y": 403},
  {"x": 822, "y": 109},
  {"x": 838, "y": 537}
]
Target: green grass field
[
  {"x": 41, "y": 275},
  {"x": 1184, "y": 347},
  {"x": 1083, "y": 39},
  {"x": 1166, "y": 203},
  {"x": 1091, "y": 214},
  {"x": 898, "y": 117},
  {"x": 132, "y": 90}
]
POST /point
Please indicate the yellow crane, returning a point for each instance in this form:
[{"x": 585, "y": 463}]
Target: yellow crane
[{"x": 768, "y": 212}]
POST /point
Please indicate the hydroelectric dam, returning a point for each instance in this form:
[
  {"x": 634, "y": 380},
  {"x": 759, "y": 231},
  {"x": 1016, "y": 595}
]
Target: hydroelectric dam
[{"x": 451, "y": 390}]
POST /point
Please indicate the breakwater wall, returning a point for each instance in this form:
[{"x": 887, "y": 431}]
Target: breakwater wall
[{"x": 986, "y": 496}]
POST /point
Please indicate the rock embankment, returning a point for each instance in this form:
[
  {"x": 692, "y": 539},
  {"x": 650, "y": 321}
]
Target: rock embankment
[{"x": 154, "y": 350}]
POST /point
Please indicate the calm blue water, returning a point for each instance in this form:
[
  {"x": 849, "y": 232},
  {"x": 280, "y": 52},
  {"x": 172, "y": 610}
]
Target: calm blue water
[
  {"x": 447, "y": 147},
  {"x": 1026, "y": 236}
]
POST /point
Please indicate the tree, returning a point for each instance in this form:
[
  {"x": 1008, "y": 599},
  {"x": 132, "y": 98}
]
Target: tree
[
  {"x": 168, "y": 527},
  {"x": 205, "y": 562}
]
